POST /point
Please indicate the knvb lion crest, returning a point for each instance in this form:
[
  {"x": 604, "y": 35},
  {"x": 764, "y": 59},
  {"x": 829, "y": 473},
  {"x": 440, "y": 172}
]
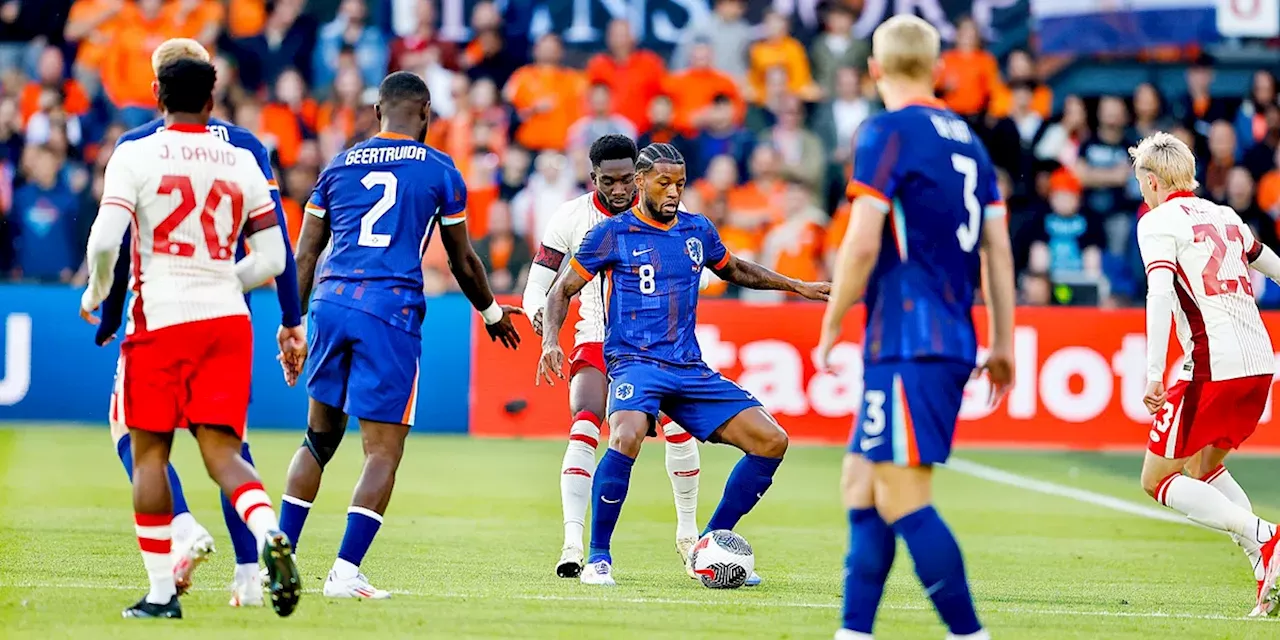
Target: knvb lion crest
[
  {"x": 624, "y": 391},
  {"x": 693, "y": 247}
]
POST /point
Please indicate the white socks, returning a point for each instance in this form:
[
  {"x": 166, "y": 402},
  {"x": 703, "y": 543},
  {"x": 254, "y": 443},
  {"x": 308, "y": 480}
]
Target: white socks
[
  {"x": 155, "y": 540},
  {"x": 683, "y": 466},
  {"x": 1221, "y": 480},
  {"x": 1208, "y": 506},
  {"x": 254, "y": 506},
  {"x": 343, "y": 570},
  {"x": 576, "y": 472}
]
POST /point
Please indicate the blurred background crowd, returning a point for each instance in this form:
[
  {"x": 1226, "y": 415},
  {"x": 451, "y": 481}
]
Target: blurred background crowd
[{"x": 763, "y": 97}]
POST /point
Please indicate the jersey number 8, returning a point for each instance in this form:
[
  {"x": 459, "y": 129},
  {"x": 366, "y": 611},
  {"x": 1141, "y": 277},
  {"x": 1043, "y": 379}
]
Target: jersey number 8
[
  {"x": 388, "y": 182},
  {"x": 647, "y": 283}
]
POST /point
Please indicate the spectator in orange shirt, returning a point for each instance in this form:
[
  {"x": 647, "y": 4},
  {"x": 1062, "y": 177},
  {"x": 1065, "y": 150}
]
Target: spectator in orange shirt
[
  {"x": 336, "y": 122},
  {"x": 291, "y": 99},
  {"x": 969, "y": 73},
  {"x": 798, "y": 148},
  {"x": 200, "y": 20},
  {"x": 281, "y": 126},
  {"x": 246, "y": 18},
  {"x": 835, "y": 234},
  {"x": 634, "y": 76},
  {"x": 721, "y": 178},
  {"x": 758, "y": 203},
  {"x": 49, "y": 70},
  {"x": 794, "y": 247},
  {"x": 693, "y": 91},
  {"x": 126, "y": 71},
  {"x": 662, "y": 128},
  {"x": 1020, "y": 68},
  {"x": 546, "y": 95},
  {"x": 92, "y": 24},
  {"x": 504, "y": 253},
  {"x": 781, "y": 51},
  {"x": 1269, "y": 189},
  {"x": 599, "y": 121}
]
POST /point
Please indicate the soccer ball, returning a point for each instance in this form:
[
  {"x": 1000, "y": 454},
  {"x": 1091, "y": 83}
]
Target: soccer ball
[{"x": 723, "y": 559}]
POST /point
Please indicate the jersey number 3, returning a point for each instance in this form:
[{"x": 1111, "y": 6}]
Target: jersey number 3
[
  {"x": 387, "y": 181},
  {"x": 163, "y": 241},
  {"x": 967, "y": 234}
]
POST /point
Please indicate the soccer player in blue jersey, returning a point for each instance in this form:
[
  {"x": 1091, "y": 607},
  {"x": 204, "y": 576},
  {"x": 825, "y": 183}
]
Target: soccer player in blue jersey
[
  {"x": 379, "y": 202},
  {"x": 192, "y": 543},
  {"x": 925, "y": 205},
  {"x": 651, "y": 258}
]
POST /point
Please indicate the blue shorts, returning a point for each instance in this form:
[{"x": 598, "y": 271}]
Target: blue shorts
[
  {"x": 909, "y": 410},
  {"x": 362, "y": 365},
  {"x": 697, "y": 398}
]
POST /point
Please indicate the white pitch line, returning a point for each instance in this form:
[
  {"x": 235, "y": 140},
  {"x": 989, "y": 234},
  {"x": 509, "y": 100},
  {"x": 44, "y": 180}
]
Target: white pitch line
[
  {"x": 1001, "y": 476},
  {"x": 694, "y": 602}
]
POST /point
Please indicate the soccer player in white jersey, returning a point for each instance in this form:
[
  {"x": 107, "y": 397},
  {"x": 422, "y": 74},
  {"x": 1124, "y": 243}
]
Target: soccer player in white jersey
[
  {"x": 188, "y": 356},
  {"x": 1197, "y": 256},
  {"x": 613, "y": 172}
]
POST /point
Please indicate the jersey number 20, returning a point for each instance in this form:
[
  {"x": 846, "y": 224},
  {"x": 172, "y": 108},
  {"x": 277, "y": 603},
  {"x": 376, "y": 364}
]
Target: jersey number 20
[
  {"x": 162, "y": 240},
  {"x": 967, "y": 234},
  {"x": 388, "y": 182}
]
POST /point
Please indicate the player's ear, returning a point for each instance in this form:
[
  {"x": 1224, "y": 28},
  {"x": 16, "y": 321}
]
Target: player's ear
[
  {"x": 873, "y": 68},
  {"x": 155, "y": 89},
  {"x": 377, "y": 111}
]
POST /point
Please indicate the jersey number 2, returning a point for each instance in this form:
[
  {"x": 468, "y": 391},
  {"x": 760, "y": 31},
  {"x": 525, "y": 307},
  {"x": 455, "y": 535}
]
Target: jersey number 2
[
  {"x": 1213, "y": 285},
  {"x": 967, "y": 234},
  {"x": 218, "y": 249},
  {"x": 388, "y": 182}
]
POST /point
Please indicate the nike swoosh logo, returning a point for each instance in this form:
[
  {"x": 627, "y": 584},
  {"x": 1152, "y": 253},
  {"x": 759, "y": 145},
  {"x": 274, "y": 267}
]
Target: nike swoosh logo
[
  {"x": 868, "y": 444},
  {"x": 640, "y": 253},
  {"x": 759, "y": 496},
  {"x": 608, "y": 501}
]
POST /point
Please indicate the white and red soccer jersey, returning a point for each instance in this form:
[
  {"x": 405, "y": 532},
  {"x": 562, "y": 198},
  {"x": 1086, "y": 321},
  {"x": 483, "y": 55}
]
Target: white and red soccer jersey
[
  {"x": 191, "y": 195},
  {"x": 1208, "y": 248}
]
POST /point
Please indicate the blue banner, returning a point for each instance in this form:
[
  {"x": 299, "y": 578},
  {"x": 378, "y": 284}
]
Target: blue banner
[{"x": 50, "y": 370}]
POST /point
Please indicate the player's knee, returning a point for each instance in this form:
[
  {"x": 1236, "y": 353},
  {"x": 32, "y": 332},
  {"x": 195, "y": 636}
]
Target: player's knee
[
  {"x": 857, "y": 483},
  {"x": 773, "y": 443},
  {"x": 626, "y": 437},
  {"x": 322, "y": 445}
]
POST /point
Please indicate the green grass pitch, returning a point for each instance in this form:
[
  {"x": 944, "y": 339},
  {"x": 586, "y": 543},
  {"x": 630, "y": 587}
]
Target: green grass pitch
[{"x": 474, "y": 529}]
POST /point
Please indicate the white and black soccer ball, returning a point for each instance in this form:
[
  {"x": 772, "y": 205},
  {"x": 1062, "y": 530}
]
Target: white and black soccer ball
[{"x": 723, "y": 559}]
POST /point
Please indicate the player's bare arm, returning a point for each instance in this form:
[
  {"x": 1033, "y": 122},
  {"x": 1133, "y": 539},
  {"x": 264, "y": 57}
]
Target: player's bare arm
[
  {"x": 114, "y": 216},
  {"x": 312, "y": 240},
  {"x": 566, "y": 286},
  {"x": 997, "y": 275},
  {"x": 469, "y": 272},
  {"x": 857, "y": 256},
  {"x": 750, "y": 275}
]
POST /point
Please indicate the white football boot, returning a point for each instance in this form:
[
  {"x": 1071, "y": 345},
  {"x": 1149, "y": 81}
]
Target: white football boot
[
  {"x": 357, "y": 587},
  {"x": 570, "y": 564},
  {"x": 598, "y": 573},
  {"x": 188, "y": 554},
  {"x": 684, "y": 546},
  {"x": 753, "y": 581},
  {"x": 246, "y": 588},
  {"x": 848, "y": 634}
]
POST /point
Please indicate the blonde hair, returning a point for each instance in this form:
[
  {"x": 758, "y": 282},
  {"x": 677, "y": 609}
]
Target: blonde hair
[
  {"x": 177, "y": 49},
  {"x": 906, "y": 46},
  {"x": 1168, "y": 158}
]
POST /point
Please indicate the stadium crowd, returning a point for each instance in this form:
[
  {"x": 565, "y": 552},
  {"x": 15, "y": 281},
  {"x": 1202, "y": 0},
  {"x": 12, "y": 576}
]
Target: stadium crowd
[{"x": 765, "y": 119}]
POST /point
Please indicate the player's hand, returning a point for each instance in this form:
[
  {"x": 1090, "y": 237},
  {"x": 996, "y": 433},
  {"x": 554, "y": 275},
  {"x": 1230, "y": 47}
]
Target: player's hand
[
  {"x": 814, "y": 290},
  {"x": 1155, "y": 397},
  {"x": 293, "y": 352},
  {"x": 827, "y": 342},
  {"x": 999, "y": 369},
  {"x": 504, "y": 330},
  {"x": 552, "y": 361},
  {"x": 87, "y": 315}
]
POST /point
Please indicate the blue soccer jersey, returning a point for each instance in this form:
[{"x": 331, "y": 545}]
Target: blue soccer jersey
[
  {"x": 927, "y": 171},
  {"x": 651, "y": 273},
  {"x": 286, "y": 282},
  {"x": 933, "y": 178},
  {"x": 381, "y": 198}
]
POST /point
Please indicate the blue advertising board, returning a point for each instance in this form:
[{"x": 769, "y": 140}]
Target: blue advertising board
[{"x": 50, "y": 370}]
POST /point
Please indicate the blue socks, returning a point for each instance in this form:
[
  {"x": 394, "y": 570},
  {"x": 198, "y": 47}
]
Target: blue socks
[
  {"x": 748, "y": 481},
  {"x": 124, "y": 449},
  {"x": 362, "y": 526},
  {"x": 242, "y": 540},
  {"x": 608, "y": 491},
  {"x": 293, "y": 516},
  {"x": 940, "y": 568},
  {"x": 871, "y": 549}
]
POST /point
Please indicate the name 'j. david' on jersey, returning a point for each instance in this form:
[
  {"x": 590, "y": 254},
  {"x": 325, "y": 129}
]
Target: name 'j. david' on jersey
[{"x": 931, "y": 176}]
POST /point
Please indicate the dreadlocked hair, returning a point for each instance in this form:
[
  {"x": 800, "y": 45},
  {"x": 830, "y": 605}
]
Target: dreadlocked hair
[{"x": 658, "y": 153}]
